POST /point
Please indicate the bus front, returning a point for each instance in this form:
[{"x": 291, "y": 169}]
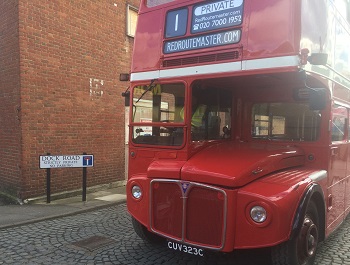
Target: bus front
[{"x": 225, "y": 133}]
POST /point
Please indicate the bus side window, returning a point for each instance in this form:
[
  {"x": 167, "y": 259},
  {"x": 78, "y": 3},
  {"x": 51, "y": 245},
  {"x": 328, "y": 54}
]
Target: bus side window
[
  {"x": 339, "y": 123},
  {"x": 348, "y": 121}
]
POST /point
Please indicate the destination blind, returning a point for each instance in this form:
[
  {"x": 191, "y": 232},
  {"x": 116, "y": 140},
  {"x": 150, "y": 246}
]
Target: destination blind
[
  {"x": 206, "y": 17},
  {"x": 203, "y": 41},
  {"x": 217, "y": 15}
]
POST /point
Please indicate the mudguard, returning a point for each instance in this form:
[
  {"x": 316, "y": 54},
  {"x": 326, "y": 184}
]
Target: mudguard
[{"x": 313, "y": 191}]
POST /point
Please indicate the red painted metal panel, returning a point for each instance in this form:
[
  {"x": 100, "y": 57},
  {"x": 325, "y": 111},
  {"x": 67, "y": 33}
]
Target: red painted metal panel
[
  {"x": 280, "y": 194},
  {"x": 271, "y": 35},
  {"x": 236, "y": 164},
  {"x": 262, "y": 35}
]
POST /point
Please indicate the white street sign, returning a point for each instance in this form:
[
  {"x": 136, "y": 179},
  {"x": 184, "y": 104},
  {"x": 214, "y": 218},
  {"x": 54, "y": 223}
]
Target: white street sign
[{"x": 62, "y": 161}]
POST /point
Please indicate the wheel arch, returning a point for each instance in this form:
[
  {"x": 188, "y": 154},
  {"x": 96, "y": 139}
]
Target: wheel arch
[{"x": 313, "y": 193}]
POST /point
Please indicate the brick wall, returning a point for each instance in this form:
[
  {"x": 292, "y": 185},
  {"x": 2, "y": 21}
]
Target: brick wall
[
  {"x": 71, "y": 54},
  {"x": 10, "y": 134}
]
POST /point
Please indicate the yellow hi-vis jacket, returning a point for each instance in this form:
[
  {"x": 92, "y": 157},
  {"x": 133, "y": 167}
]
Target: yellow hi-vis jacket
[{"x": 197, "y": 117}]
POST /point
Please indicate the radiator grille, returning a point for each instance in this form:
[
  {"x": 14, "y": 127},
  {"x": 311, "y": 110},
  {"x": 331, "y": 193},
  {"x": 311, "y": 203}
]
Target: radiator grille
[
  {"x": 204, "y": 216},
  {"x": 189, "y": 212},
  {"x": 234, "y": 55},
  {"x": 167, "y": 209}
]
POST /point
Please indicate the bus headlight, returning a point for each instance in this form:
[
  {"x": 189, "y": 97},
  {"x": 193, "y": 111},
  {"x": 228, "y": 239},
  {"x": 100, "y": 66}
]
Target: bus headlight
[
  {"x": 258, "y": 214},
  {"x": 136, "y": 192}
]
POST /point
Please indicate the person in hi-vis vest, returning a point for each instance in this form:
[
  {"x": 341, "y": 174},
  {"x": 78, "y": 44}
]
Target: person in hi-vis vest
[
  {"x": 198, "y": 112},
  {"x": 198, "y": 115}
]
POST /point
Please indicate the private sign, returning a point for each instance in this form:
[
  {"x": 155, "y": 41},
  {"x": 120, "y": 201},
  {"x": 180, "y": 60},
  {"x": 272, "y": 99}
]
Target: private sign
[{"x": 62, "y": 161}]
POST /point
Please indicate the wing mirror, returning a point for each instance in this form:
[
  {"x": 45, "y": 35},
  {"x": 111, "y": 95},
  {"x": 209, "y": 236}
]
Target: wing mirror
[
  {"x": 126, "y": 96},
  {"x": 318, "y": 58}
]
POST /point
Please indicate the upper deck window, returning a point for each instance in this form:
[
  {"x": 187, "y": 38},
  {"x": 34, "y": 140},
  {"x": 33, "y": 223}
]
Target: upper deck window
[{"x": 153, "y": 3}]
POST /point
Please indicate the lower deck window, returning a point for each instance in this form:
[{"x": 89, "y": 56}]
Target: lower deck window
[
  {"x": 285, "y": 121},
  {"x": 156, "y": 104}
]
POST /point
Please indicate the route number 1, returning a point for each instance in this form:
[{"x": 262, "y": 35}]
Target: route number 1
[{"x": 176, "y": 23}]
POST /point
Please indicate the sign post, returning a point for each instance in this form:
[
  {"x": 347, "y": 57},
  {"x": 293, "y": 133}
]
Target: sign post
[
  {"x": 48, "y": 184},
  {"x": 65, "y": 161},
  {"x": 84, "y": 179}
]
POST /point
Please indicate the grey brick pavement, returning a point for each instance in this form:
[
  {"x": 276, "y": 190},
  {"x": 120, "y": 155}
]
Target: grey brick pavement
[{"x": 53, "y": 242}]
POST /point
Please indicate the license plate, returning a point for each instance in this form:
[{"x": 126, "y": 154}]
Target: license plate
[{"x": 185, "y": 248}]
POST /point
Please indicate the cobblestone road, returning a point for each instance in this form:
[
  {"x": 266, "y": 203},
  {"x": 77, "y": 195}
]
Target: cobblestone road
[{"x": 62, "y": 241}]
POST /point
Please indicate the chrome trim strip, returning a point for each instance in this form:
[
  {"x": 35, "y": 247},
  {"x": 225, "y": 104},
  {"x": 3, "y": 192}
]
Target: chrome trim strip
[
  {"x": 258, "y": 64},
  {"x": 184, "y": 202},
  {"x": 274, "y": 62},
  {"x": 201, "y": 70},
  {"x": 318, "y": 176},
  {"x": 145, "y": 75}
]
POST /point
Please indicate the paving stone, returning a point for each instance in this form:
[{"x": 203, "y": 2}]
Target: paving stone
[{"x": 51, "y": 242}]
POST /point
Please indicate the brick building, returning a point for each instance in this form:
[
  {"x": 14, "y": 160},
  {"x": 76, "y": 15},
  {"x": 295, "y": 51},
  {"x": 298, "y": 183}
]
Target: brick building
[{"x": 60, "y": 92}]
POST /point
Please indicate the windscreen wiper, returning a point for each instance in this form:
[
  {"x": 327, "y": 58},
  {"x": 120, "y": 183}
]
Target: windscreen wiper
[{"x": 150, "y": 87}]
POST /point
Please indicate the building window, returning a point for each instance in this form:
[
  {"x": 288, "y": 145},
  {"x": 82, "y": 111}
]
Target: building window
[{"x": 131, "y": 17}]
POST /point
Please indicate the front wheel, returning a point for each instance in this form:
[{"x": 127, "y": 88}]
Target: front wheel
[{"x": 300, "y": 250}]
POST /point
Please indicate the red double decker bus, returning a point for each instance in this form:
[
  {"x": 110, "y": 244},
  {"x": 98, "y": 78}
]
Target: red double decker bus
[{"x": 239, "y": 125}]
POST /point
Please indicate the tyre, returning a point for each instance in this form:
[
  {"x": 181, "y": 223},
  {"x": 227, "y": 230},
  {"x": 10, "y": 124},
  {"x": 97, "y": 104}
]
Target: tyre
[
  {"x": 144, "y": 234},
  {"x": 300, "y": 250}
]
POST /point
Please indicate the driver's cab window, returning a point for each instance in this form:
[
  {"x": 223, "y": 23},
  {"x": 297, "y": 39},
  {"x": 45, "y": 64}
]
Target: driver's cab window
[{"x": 210, "y": 113}]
